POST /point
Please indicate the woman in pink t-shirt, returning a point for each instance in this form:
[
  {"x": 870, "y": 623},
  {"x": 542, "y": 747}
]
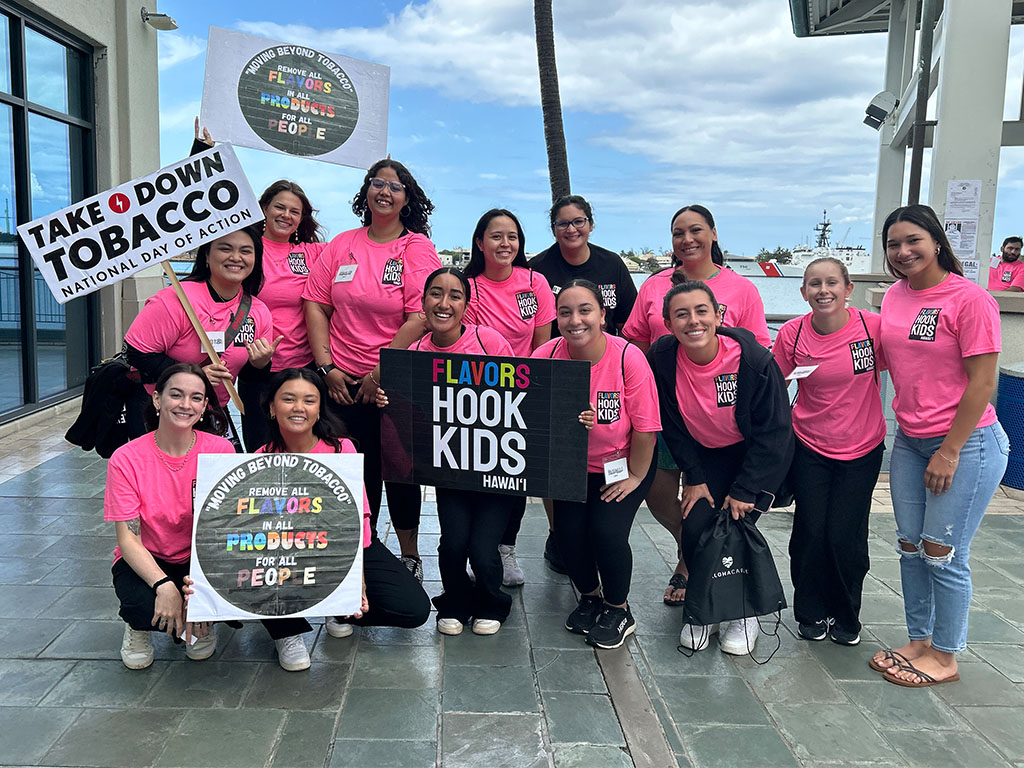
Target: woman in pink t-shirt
[
  {"x": 299, "y": 423},
  {"x": 593, "y": 535},
  {"x": 292, "y": 243},
  {"x": 726, "y": 419},
  {"x": 517, "y": 302},
  {"x": 148, "y": 497},
  {"x": 696, "y": 255},
  {"x": 472, "y": 522},
  {"x": 840, "y": 434},
  {"x": 364, "y": 294},
  {"x": 941, "y": 336}
]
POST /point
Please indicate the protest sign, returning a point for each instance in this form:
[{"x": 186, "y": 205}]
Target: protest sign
[
  {"x": 496, "y": 424},
  {"x": 295, "y": 100},
  {"x": 277, "y": 534},
  {"x": 109, "y": 236}
]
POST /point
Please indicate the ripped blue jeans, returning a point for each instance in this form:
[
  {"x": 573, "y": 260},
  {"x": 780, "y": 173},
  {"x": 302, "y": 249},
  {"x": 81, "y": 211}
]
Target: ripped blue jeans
[{"x": 937, "y": 590}]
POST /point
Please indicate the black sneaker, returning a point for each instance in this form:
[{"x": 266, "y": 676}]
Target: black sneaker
[
  {"x": 583, "y": 618},
  {"x": 612, "y": 627},
  {"x": 842, "y": 637},
  {"x": 415, "y": 566},
  {"x": 551, "y": 555},
  {"x": 817, "y": 630}
]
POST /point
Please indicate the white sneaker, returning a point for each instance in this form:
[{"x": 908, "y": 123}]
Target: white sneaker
[
  {"x": 486, "y": 626},
  {"x": 511, "y": 574},
  {"x": 449, "y": 626},
  {"x": 697, "y": 636},
  {"x": 336, "y": 628},
  {"x": 292, "y": 654},
  {"x": 740, "y": 637},
  {"x": 203, "y": 648},
  {"x": 136, "y": 648}
]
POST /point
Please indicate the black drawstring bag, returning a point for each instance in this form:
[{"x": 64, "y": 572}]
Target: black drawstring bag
[{"x": 732, "y": 575}]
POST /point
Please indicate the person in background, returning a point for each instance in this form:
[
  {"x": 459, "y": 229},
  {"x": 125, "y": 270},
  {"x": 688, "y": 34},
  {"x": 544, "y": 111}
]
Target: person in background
[
  {"x": 364, "y": 294},
  {"x": 1007, "y": 274},
  {"x": 696, "y": 255},
  {"x": 593, "y": 535},
  {"x": 840, "y": 439},
  {"x": 517, "y": 302},
  {"x": 574, "y": 257},
  {"x": 941, "y": 336}
]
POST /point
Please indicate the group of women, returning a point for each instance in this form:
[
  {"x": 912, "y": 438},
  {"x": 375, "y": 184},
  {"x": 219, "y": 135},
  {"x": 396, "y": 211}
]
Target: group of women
[{"x": 703, "y": 424}]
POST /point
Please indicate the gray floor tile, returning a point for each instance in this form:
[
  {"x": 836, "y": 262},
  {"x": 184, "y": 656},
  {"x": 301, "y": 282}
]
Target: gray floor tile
[
  {"x": 589, "y": 756},
  {"x": 576, "y": 671},
  {"x": 397, "y": 666},
  {"x": 986, "y": 627},
  {"x": 547, "y": 630},
  {"x": 1001, "y": 726},
  {"x": 110, "y": 738},
  {"x": 467, "y": 741},
  {"x": 87, "y": 640},
  {"x": 28, "y": 734},
  {"x": 1007, "y": 659},
  {"x": 846, "y": 663},
  {"x": 819, "y": 732},
  {"x": 319, "y": 687},
  {"x": 84, "y": 603},
  {"x": 250, "y": 643},
  {"x": 31, "y": 523},
  {"x": 548, "y": 598},
  {"x": 104, "y": 684},
  {"x": 373, "y": 713},
  {"x": 663, "y": 658},
  {"x": 79, "y": 573},
  {"x": 883, "y": 609},
  {"x": 209, "y": 684},
  {"x": 226, "y": 738},
  {"x": 945, "y": 750},
  {"x": 752, "y": 746},
  {"x": 893, "y": 707},
  {"x": 980, "y": 684},
  {"x": 81, "y": 547},
  {"x": 24, "y": 682},
  {"x": 384, "y": 754},
  {"x": 509, "y": 647},
  {"x": 790, "y": 679},
  {"x": 586, "y": 718},
  {"x": 327, "y": 649},
  {"x": 306, "y": 740},
  {"x": 25, "y": 570},
  {"x": 488, "y": 689},
  {"x": 706, "y": 700},
  {"x": 27, "y": 602},
  {"x": 426, "y": 634},
  {"x": 25, "y": 639}
]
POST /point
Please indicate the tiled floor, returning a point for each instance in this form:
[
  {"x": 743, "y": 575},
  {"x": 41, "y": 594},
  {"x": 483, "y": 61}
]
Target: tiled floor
[{"x": 533, "y": 695}]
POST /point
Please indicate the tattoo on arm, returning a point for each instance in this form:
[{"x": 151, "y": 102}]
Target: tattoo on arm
[{"x": 134, "y": 525}]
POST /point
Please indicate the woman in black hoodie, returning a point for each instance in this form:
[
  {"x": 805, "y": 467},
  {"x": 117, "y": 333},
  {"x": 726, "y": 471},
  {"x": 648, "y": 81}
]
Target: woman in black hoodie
[{"x": 733, "y": 436}]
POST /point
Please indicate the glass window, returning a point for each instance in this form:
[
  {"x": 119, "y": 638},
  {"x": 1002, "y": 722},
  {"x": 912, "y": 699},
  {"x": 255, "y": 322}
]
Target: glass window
[
  {"x": 12, "y": 387},
  {"x": 53, "y": 74},
  {"x": 5, "y": 54}
]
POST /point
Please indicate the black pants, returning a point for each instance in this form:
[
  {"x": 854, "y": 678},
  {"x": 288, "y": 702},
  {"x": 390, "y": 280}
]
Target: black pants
[
  {"x": 829, "y": 545},
  {"x": 593, "y": 538},
  {"x": 515, "y": 521},
  {"x": 362, "y": 423},
  {"x": 255, "y": 427},
  {"x": 396, "y": 599},
  {"x": 721, "y": 465},
  {"x": 472, "y": 523},
  {"x": 138, "y": 600}
]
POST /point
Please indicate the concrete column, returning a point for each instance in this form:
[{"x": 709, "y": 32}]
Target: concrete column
[
  {"x": 969, "y": 107},
  {"x": 891, "y": 160}
]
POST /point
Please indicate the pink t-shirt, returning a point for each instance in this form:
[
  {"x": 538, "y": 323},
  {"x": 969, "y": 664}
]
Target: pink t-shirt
[
  {"x": 515, "y": 307},
  {"x": 623, "y": 389},
  {"x": 285, "y": 269},
  {"x": 141, "y": 484},
  {"x": 163, "y": 326},
  {"x": 707, "y": 395},
  {"x": 926, "y": 334},
  {"x": 1003, "y": 275},
  {"x": 736, "y": 294},
  {"x": 346, "y": 447},
  {"x": 475, "y": 340},
  {"x": 838, "y": 412},
  {"x": 371, "y": 302}
]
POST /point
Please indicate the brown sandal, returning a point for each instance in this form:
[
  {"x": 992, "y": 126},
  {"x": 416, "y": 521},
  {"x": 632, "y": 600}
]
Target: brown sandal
[
  {"x": 924, "y": 680},
  {"x": 896, "y": 658}
]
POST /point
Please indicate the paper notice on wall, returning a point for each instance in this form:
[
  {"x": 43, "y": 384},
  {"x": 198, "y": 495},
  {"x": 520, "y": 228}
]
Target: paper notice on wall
[
  {"x": 963, "y": 208},
  {"x": 963, "y": 199}
]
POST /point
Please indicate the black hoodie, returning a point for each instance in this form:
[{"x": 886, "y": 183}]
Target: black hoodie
[{"x": 763, "y": 417}]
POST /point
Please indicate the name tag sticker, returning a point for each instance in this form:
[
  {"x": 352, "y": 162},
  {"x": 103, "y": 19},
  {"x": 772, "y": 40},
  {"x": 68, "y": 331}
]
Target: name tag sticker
[
  {"x": 345, "y": 273},
  {"x": 801, "y": 372},
  {"x": 217, "y": 340},
  {"x": 615, "y": 470}
]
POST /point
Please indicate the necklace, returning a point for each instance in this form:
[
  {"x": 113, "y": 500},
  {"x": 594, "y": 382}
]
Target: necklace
[{"x": 184, "y": 459}]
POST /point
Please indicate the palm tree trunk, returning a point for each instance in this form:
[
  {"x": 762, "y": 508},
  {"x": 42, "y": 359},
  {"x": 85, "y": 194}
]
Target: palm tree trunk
[{"x": 550, "y": 102}]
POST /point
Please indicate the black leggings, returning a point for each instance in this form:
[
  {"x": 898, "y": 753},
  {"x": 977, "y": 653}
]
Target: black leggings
[
  {"x": 515, "y": 520},
  {"x": 593, "y": 538},
  {"x": 829, "y": 544},
  {"x": 472, "y": 523},
  {"x": 138, "y": 600},
  {"x": 396, "y": 599},
  {"x": 255, "y": 427}
]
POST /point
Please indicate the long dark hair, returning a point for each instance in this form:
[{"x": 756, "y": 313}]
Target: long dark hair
[
  {"x": 415, "y": 214},
  {"x": 309, "y": 230},
  {"x": 578, "y": 200},
  {"x": 254, "y": 282},
  {"x": 716, "y": 251},
  {"x": 214, "y": 420},
  {"x": 925, "y": 218},
  {"x": 326, "y": 428},
  {"x": 476, "y": 258}
]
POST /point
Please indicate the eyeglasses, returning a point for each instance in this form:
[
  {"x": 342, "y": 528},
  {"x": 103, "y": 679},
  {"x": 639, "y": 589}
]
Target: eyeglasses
[
  {"x": 578, "y": 223},
  {"x": 394, "y": 186}
]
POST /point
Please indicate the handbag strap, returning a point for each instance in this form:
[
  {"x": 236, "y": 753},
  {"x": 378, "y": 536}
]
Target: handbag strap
[{"x": 238, "y": 320}]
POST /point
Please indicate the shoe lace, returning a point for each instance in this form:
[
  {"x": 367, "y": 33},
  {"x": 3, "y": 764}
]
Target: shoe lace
[
  {"x": 508, "y": 558},
  {"x": 137, "y": 640},
  {"x": 290, "y": 645}
]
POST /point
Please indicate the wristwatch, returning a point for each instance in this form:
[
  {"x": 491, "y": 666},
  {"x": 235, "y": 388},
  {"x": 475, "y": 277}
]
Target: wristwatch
[{"x": 323, "y": 370}]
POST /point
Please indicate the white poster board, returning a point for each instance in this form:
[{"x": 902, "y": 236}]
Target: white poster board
[
  {"x": 292, "y": 99},
  {"x": 107, "y": 237},
  {"x": 963, "y": 209},
  {"x": 276, "y": 535}
]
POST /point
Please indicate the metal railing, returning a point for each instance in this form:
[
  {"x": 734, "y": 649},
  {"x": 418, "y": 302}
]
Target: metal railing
[{"x": 49, "y": 314}]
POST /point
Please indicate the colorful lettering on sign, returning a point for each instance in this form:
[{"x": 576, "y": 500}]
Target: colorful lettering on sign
[{"x": 482, "y": 372}]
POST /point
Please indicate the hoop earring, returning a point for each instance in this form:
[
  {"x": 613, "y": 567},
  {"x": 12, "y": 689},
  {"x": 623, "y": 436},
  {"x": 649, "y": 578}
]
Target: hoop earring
[{"x": 404, "y": 213}]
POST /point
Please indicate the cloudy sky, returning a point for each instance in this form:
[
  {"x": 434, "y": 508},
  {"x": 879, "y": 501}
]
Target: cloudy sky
[{"x": 666, "y": 102}]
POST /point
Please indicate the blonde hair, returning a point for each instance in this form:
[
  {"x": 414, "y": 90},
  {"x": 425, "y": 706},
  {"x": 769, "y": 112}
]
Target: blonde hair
[{"x": 830, "y": 260}]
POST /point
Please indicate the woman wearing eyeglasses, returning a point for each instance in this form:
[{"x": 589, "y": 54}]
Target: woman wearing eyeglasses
[{"x": 364, "y": 294}]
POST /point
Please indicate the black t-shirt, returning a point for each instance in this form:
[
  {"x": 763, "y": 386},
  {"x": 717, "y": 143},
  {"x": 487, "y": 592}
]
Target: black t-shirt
[{"x": 604, "y": 268}]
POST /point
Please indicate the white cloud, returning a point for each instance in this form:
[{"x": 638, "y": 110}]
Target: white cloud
[
  {"x": 492, "y": 176},
  {"x": 176, "y": 48}
]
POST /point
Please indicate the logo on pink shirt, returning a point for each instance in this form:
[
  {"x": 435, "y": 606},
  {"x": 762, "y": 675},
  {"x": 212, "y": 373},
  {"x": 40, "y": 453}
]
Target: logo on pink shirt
[
  {"x": 392, "y": 274},
  {"x": 863, "y": 354},
  {"x": 527, "y": 301},
  {"x": 608, "y": 407},
  {"x": 1007, "y": 276},
  {"x": 725, "y": 389},
  {"x": 297, "y": 263},
  {"x": 246, "y": 334},
  {"x": 925, "y": 325},
  {"x": 723, "y": 307}
]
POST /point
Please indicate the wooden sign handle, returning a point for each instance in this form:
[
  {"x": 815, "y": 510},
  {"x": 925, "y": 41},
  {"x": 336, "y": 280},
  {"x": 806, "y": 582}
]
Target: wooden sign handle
[{"x": 200, "y": 331}]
